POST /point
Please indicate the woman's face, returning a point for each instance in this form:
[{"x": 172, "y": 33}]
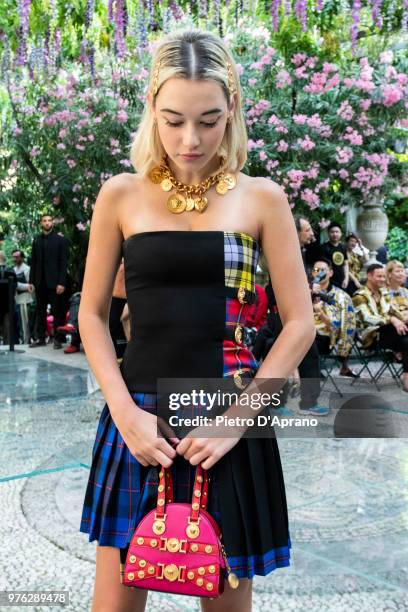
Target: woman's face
[
  {"x": 191, "y": 119},
  {"x": 398, "y": 275},
  {"x": 351, "y": 243}
]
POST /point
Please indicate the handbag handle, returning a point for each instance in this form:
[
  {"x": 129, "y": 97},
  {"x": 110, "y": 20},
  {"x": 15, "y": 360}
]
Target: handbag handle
[{"x": 165, "y": 492}]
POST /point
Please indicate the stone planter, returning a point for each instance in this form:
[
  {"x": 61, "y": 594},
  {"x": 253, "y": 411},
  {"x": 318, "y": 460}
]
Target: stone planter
[{"x": 372, "y": 227}]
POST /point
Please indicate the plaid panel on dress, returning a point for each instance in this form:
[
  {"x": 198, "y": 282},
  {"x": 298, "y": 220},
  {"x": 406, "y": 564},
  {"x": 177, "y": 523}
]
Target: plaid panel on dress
[
  {"x": 236, "y": 357},
  {"x": 241, "y": 254}
]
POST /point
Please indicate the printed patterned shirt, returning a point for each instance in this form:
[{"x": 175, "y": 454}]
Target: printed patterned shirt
[
  {"x": 399, "y": 299},
  {"x": 371, "y": 315},
  {"x": 339, "y": 309}
]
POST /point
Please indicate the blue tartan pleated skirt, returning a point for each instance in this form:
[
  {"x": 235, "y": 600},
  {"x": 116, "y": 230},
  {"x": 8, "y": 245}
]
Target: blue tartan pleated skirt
[{"x": 121, "y": 491}]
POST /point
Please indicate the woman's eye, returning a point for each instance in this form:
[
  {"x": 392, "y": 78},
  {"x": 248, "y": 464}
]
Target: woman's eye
[{"x": 203, "y": 122}]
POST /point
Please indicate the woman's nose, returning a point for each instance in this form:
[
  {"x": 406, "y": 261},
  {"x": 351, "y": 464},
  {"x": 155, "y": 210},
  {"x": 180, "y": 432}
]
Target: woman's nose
[{"x": 190, "y": 138}]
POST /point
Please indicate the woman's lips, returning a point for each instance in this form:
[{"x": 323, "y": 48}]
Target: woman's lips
[{"x": 186, "y": 156}]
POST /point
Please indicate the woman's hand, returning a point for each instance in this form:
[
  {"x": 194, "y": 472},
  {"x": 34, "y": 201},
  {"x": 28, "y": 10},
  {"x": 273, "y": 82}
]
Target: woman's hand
[
  {"x": 206, "y": 451},
  {"x": 140, "y": 432}
]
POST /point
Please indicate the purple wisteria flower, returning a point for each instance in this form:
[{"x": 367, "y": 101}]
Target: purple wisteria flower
[
  {"x": 275, "y": 4},
  {"x": 301, "y": 13},
  {"x": 355, "y": 14},
  {"x": 23, "y": 8}
]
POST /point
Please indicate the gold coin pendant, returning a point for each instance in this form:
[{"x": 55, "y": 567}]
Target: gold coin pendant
[
  {"x": 200, "y": 204},
  {"x": 156, "y": 175},
  {"x": 189, "y": 204},
  {"x": 166, "y": 184},
  {"x": 230, "y": 180},
  {"x": 221, "y": 188},
  {"x": 176, "y": 203}
]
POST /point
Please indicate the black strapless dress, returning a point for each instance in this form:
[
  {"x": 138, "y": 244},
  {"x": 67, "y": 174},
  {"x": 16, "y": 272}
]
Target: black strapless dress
[{"x": 182, "y": 290}]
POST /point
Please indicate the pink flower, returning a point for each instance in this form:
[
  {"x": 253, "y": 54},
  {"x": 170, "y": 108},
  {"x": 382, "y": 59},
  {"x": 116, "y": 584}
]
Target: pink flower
[
  {"x": 17, "y": 131},
  {"x": 300, "y": 73},
  {"x": 306, "y": 143},
  {"x": 91, "y": 137},
  {"x": 240, "y": 68},
  {"x": 80, "y": 147},
  {"x": 296, "y": 178},
  {"x": 71, "y": 163},
  {"x": 345, "y": 111},
  {"x": 343, "y": 155},
  {"x": 81, "y": 227},
  {"x": 262, "y": 156},
  {"x": 252, "y": 82},
  {"x": 329, "y": 67},
  {"x": 298, "y": 59},
  {"x": 282, "y": 79},
  {"x": 324, "y": 223},
  {"x": 35, "y": 151},
  {"x": 61, "y": 146},
  {"x": 392, "y": 95},
  {"x": 386, "y": 57},
  {"x": 282, "y": 146},
  {"x": 122, "y": 116},
  {"x": 308, "y": 196},
  {"x": 352, "y": 136},
  {"x": 365, "y": 104},
  {"x": 314, "y": 121},
  {"x": 300, "y": 119},
  {"x": 273, "y": 120},
  {"x": 271, "y": 164},
  {"x": 125, "y": 162}
]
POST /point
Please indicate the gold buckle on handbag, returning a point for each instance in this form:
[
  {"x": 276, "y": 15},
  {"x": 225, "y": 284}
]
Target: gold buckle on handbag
[{"x": 171, "y": 572}]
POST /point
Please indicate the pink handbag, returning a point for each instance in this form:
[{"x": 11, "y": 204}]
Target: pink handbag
[{"x": 177, "y": 547}]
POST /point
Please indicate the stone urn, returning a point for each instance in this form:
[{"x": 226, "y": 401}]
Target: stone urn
[{"x": 372, "y": 227}]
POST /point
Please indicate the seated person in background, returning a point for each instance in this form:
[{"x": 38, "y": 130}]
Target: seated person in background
[
  {"x": 357, "y": 255},
  {"x": 379, "y": 320},
  {"x": 396, "y": 277},
  {"x": 334, "y": 316}
]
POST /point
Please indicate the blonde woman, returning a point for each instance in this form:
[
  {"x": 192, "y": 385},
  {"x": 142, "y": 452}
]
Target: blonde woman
[
  {"x": 191, "y": 225},
  {"x": 396, "y": 278}
]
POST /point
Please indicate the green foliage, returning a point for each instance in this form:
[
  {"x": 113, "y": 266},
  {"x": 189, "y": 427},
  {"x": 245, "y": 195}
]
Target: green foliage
[{"x": 397, "y": 244}]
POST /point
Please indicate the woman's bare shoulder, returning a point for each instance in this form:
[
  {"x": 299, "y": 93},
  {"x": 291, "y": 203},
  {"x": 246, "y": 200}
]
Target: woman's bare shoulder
[
  {"x": 268, "y": 198},
  {"x": 121, "y": 183}
]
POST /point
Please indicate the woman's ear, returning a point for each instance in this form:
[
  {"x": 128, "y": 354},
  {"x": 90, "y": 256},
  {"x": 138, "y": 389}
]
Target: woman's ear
[
  {"x": 149, "y": 99},
  {"x": 231, "y": 109}
]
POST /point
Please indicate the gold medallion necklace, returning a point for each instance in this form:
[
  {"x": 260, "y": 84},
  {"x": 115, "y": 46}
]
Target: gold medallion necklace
[{"x": 190, "y": 197}]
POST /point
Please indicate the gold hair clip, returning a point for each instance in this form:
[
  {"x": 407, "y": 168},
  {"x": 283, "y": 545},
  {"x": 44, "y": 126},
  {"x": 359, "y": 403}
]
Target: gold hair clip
[
  {"x": 156, "y": 78},
  {"x": 231, "y": 83}
]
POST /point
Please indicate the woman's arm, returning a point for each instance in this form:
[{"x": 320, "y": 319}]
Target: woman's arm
[
  {"x": 138, "y": 428},
  {"x": 102, "y": 262},
  {"x": 281, "y": 248}
]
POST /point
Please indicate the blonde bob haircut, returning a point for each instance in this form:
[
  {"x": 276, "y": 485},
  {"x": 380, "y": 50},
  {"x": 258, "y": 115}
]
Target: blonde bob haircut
[
  {"x": 192, "y": 54},
  {"x": 390, "y": 267}
]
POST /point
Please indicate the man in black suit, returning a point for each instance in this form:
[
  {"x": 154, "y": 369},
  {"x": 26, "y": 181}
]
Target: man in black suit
[{"x": 48, "y": 274}]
